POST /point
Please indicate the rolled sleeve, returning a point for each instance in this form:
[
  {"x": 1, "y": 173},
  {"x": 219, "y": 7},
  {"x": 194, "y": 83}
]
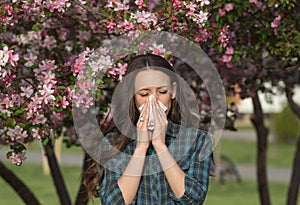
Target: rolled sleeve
[
  {"x": 196, "y": 177},
  {"x": 110, "y": 192}
]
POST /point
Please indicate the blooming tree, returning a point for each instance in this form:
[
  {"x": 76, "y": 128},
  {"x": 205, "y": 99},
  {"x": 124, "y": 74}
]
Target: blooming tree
[
  {"x": 262, "y": 54},
  {"x": 45, "y": 47}
]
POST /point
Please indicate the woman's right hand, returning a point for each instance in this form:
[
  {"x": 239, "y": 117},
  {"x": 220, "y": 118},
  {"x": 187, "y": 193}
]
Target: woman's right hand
[{"x": 143, "y": 137}]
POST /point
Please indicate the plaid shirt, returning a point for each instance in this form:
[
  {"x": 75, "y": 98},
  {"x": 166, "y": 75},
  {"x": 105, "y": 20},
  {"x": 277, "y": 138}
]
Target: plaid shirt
[{"x": 189, "y": 147}]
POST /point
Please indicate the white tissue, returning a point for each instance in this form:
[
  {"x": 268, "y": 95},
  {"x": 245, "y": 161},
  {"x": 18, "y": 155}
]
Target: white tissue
[
  {"x": 160, "y": 104},
  {"x": 151, "y": 116}
]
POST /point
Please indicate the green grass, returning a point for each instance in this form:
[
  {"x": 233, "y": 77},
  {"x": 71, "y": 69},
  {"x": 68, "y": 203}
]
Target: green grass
[
  {"x": 244, "y": 193},
  {"x": 35, "y": 146},
  {"x": 244, "y": 152},
  {"x": 42, "y": 186}
]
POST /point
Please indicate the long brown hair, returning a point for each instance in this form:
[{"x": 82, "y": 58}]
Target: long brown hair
[{"x": 93, "y": 176}]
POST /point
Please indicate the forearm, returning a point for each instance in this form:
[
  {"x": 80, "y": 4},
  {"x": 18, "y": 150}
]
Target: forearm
[
  {"x": 173, "y": 172},
  {"x": 130, "y": 179}
]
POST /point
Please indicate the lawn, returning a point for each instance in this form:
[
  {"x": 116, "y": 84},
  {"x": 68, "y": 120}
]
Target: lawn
[
  {"x": 228, "y": 194},
  {"x": 244, "y": 193},
  {"x": 244, "y": 152}
]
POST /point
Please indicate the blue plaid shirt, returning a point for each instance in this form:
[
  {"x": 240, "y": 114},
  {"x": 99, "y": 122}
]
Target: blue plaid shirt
[{"x": 189, "y": 147}]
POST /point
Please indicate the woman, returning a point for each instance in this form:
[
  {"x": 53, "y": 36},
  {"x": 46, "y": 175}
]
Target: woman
[{"x": 168, "y": 161}]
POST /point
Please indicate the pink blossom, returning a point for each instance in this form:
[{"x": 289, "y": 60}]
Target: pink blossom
[
  {"x": 221, "y": 12},
  {"x": 45, "y": 66},
  {"x": 56, "y": 119},
  {"x": 7, "y": 56},
  {"x": 229, "y": 51},
  {"x": 118, "y": 71},
  {"x": 100, "y": 63},
  {"x": 144, "y": 18},
  {"x": 140, "y": 4},
  {"x": 49, "y": 42},
  {"x": 79, "y": 64},
  {"x": 223, "y": 37},
  {"x": 191, "y": 6},
  {"x": 13, "y": 59},
  {"x": 110, "y": 25},
  {"x": 200, "y": 18},
  {"x": 117, "y": 5},
  {"x": 134, "y": 34},
  {"x": 261, "y": 5},
  {"x": 7, "y": 103},
  {"x": 46, "y": 92},
  {"x": 253, "y": 1},
  {"x": 228, "y": 7},
  {"x": 30, "y": 59},
  {"x": 85, "y": 85},
  {"x": 204, "y": 35},
  {"x": 69, "y": 45},
  {"x": 17, "y": 158},
  {"x": 36, "y": 134},
  {"x": 58, "y": 5},
  {"x": 84, "y": 36},
  {"x": 226, "y": 58},
  {"x": 17, "y": 134},
  {"x": 121, "y": 6},
  {"x": 276, "y": 22},
  {"x": 26, "y": 91},
  {"x": 33, "y": 106},
  {"x": 62, "y": 34},
  {"x": 4, "y": 56},
  {"x": 125, "y": 26},
  {"x": 203, "y": 2},
  {"x": 39, "y": 119},
  {"x": 158, "y": 49},
  {"x": 64, "y": 103},
  {"x": 17, "y": 99}
]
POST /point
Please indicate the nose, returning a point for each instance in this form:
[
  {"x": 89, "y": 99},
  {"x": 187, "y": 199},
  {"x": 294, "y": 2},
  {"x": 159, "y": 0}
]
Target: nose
[{"x": 155, "y": 95}]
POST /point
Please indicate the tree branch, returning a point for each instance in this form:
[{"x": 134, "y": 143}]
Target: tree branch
[{"x": 88, "y": 9}]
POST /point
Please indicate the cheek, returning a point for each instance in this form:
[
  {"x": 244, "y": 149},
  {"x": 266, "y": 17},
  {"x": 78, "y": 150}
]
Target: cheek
[
  {"x": 139, "y": 100},
  {"x": 166, "y": 100}
]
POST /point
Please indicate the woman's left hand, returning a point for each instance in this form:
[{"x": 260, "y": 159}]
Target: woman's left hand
[{"x": 160, "y": 127}]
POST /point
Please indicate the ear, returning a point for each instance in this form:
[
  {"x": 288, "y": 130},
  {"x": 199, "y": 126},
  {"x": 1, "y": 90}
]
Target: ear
[{"x": 174, "y": 89}]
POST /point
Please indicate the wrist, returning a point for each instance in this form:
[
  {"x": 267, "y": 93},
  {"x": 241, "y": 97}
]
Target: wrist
[
  {"x": 159, "y": 147},
  {"x": 140, "y": 151}
]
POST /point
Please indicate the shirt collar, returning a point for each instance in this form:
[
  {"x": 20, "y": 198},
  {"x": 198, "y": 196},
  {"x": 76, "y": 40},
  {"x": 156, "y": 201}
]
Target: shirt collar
[{"x": 173, "y": 129}]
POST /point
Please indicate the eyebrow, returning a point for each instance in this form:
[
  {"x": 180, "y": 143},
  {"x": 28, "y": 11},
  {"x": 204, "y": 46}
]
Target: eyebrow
[{"x": 147, "y": 89}]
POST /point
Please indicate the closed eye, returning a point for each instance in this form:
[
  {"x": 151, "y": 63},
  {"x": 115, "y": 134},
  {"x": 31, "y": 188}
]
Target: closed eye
[
  {"x": 143, "y": 94},
  {"x": 163, "y": 91}
]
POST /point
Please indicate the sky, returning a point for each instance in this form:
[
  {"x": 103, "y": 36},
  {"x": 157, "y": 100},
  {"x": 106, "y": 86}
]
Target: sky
[{"x": 276, "y": 106}]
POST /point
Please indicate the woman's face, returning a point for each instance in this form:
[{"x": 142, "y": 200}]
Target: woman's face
[{"x": 156, "y": 83}]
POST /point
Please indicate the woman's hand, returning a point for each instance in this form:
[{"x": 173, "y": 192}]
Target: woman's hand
[
  {"x": 160, "y": 127},
  {"x": 143, "y": 137}
]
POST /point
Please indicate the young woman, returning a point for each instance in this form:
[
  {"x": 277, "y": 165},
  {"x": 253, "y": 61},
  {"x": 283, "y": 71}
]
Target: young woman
[{"x": 169, "y": 159}]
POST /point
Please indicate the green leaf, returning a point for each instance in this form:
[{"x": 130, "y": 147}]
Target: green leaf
[
  {"x": 271, "y": 3},
  {"x": 45, "y": 141},
  {"x": 22, "y": 125},
  {"x": 3, "y": 116},
  {"x": 35, "y": 27},
  {"x": 8, "y": 154},
  {"x": 18, "y": 112},
  {"x": 4, "y": 28},
  {"x": 11, "y": 122}
]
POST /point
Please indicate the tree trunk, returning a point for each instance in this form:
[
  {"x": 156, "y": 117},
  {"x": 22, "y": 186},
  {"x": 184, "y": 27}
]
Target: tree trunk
[
  {"x": 262, "y": 141},
  {"x": 20, "y": 188},
  {"x": 82, "y": 197},
  {"x": 295, "y": 178},
  {"x": 60, "y": 186}
]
